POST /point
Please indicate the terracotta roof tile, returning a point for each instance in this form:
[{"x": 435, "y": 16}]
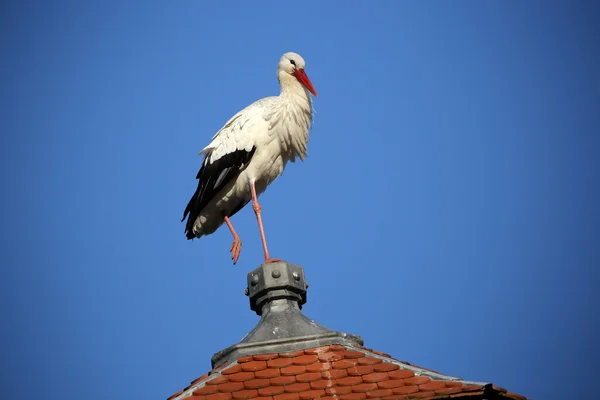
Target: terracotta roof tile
[
  {"x": 287, "y": 396},
  {"x": 293, "y": 370},
  {"x": 370, "y": 361},
  {"x": 280, "y": 362},
  {"x": 245, "y": 394},
  {"x": 268, "y": 373},
  {"x": 353, "y": 396},
  {"x": 232, "y": 370},
  {"x": 334, "y": 374},
  {"x": 282, "y": 380},
  {"x": 309, "y": 377},
  {"x": 265, "y": 357},
  {"x": 364, "y": 387},
  {"x": 312, "y": 394},
  {"x": 254, "y": 366},
  {"x": 467, "y": 388},
  {"x": 297, "y": 387},
  {"x": 318, "y": 367},
  {"x": 217, "y": 396},
  {"x": 376, "y": 394},
  {"x": 405, "y": 389},
  {"x": 330, "y": 356},
  {"x": 218, "y": 380},
  {"x": 231, "y": 387},
  {"x": 401, "y": 374},
  {"x": 352, "y": 354},
  {"x": 256, "y": 383},
  {"x": 390, "y": 384},
  {"x": 387, "y": 367},
  {"x": 321, "y": 384},
  {"x": 305, "y": 359},
  {"x": 241, "y": 376},
  {"x": 199, "y": 379},
  {"x": 338, "y": 390},
  {"x": 360, "y": 370},
  {"x": 331, "y": 372},
  {"x": 448, "y": 390},
  {"x": 205, "y": 390},
  {"x": 417, "y": 380},
  {"x": 271, "y": 390},
  {"x": 292, "y": 354},
  {"x": 316, "y": 350},
  {"x": 375, "y": 377},
  {"x": 349, "y": 381},
  {"x": 343, "y": 364},
  {"x": 433, "y": 385}
]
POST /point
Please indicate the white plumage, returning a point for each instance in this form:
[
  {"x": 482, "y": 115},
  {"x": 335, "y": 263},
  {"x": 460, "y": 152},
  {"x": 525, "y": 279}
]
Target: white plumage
[{"x": 250, "y": 151}]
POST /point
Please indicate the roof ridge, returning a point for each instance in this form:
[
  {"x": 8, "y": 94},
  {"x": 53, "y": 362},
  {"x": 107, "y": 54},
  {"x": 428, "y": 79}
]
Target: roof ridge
[
  {"x": 329, "y": 372},
  {"x": 197, "y": 383},
  {"x": 421, "y": 371}
]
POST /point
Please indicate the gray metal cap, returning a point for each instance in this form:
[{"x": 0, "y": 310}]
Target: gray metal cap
[
  {"x": 275, "y": 281},
  {"x": 277, "y": 292}
]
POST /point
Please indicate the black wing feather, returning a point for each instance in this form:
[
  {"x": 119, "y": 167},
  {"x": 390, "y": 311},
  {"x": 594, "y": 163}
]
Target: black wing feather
[{"x": 212, "y": 178}]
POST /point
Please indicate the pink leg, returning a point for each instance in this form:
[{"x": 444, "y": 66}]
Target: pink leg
[
  {"x": 257, "y": 211},
  {"x": 236, "y": 247}
]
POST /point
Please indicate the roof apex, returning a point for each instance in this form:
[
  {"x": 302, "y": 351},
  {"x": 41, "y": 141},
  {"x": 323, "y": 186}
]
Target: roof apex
[{"x": 277, "y": 292}]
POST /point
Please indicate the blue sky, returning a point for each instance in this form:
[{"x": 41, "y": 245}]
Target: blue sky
[{"x": 447, "y": 212}]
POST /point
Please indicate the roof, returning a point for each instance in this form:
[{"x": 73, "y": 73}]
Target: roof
[
  {"x": 288, "y": 356},
  {"x": 331, "y": 372}
]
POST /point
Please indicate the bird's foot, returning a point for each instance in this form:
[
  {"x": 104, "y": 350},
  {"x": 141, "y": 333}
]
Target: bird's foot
[
  {"x": 236, "y": 249},
  {"x": 273, "y": 260}
]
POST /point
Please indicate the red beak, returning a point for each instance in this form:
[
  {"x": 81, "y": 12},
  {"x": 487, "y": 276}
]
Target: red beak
[{"x": 303, "y": 78}]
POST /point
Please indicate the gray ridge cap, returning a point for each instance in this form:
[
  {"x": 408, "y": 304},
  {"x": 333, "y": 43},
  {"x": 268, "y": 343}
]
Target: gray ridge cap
[
  {"x": 420, "y": 371},
  {"x": 284, "y": 345}
]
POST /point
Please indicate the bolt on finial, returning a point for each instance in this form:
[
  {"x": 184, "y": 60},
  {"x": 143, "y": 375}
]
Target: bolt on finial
[{"x": 272, "y": 281}]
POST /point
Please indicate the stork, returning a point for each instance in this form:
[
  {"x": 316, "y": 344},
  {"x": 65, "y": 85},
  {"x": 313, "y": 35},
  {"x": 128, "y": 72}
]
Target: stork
[{"x": 249, "y": 152}]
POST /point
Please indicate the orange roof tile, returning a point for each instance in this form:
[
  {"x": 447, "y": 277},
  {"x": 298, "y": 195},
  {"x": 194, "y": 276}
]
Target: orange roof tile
[{"x": 331, "y": 372}]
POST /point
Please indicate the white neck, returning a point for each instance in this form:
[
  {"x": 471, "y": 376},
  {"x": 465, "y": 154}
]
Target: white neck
[
  {"x": 294, "y": 91},
  {"x": 295, "y": 113}
]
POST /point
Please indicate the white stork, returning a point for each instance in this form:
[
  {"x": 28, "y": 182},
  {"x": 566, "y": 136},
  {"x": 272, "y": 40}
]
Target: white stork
[{"x": 249, "y": 152}]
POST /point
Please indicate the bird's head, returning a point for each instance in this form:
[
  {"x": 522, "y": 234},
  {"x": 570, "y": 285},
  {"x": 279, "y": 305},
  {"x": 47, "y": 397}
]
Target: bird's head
[{"x": 291, "y": 65}]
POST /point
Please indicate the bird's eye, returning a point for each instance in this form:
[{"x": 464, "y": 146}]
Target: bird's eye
[{"x": 293, "y": 62}]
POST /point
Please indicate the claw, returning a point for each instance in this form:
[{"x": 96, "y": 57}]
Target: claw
[
  {"x": 235, "y": 250},
  {"x": 236, "y": 246}
]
